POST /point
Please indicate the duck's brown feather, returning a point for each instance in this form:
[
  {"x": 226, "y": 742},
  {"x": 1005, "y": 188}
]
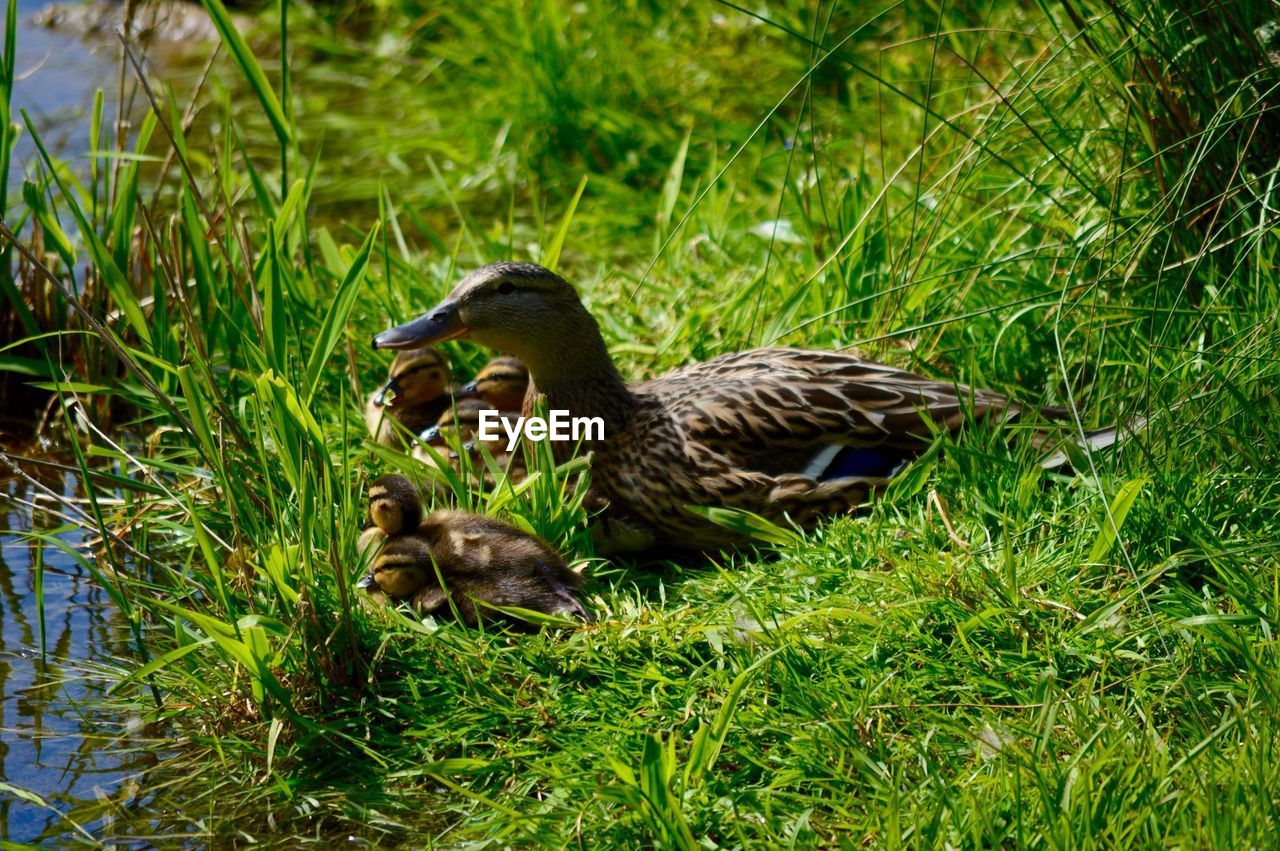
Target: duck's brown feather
[{"x": 757, "y": 402}]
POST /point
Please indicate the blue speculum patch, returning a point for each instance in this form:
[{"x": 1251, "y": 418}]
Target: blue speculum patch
[{"x": 870, "y": 463}]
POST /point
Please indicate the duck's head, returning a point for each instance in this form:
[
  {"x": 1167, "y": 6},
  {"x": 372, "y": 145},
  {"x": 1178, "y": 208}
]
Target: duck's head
[
  {"x": 463, "y": 418},
  {"x": 394, "y": 504},
  {"x": 403, "y": 566},
  {"x": 417, "y": 376},
  {"x": 520, "y": 308},
  {"x": 502, "y": 383}
]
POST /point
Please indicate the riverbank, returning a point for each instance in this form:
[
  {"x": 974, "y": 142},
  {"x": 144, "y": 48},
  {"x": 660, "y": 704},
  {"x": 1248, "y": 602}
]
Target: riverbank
[{"x": 1072, "y": 206}]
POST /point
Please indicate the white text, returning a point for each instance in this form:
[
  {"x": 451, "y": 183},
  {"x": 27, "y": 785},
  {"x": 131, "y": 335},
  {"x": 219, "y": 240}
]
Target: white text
[{"x": 558, "y": 426}]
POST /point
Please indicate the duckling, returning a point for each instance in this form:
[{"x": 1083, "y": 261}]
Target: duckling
[
  {"x": 456, "y": 428},
  {"x": 486, "y": 560},
  {"x": 470, "y": 560},
  {"x": 763, "y": 430},
  {"x": 463, "y": 421},
  {"x": 416, "y": 393},
  {"x": 395, "y": 510},
  {"x": 395, "y": 506},
  {"x": 503, "y": 383}
]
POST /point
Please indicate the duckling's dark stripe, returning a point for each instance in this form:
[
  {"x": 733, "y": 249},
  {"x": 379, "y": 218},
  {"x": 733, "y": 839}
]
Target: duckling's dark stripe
[
  {"x": 398, "y": 559},
  {"x": 415, "y": 369}
]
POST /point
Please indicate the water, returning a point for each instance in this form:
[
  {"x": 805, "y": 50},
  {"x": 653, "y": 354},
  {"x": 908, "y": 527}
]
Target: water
[
  {"x": 80, "y": 761},
  {"x": 56, "y": 75}
]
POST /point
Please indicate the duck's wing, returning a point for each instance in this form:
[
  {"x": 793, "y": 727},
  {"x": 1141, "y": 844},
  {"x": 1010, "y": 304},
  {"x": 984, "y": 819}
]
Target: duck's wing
[
  {"x": 429, "y": 599},
  {"x": 780, "y": 406}
]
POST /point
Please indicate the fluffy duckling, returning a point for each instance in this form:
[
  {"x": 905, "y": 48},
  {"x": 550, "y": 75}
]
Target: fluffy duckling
[
  {"x": 415, "y": 395},
  {"x": 486, "y": 560},
  {"x": 455, "y": 428},
  {"x": 462, "y": 419},
  {"x": 463, "y": 422},
  {"x": 394, "y": 504},
  {"x": 467, "y": 560},
  {"x": 502, "y": 383}
]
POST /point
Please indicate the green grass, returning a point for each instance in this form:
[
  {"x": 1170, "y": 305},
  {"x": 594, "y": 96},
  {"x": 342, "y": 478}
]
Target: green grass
[{"x": 1074, "y": 204}]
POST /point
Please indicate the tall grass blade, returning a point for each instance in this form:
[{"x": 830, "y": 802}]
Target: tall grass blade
[
  {"x": 126, "y": 300},
  {"x": 1116, "y": 514},
  {"x": 8, "y": 130},
  {"x": 335, "y": 319},
  {"x": 551, "y": 257},
  {"x": 252, "y": 71}
]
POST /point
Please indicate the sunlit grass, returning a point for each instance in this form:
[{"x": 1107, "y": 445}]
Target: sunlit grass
[{"x": 992, "y": 655}]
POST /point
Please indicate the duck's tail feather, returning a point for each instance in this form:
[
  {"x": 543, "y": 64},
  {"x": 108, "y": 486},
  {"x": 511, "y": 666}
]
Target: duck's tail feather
[{"x": 1094, "y": 441}]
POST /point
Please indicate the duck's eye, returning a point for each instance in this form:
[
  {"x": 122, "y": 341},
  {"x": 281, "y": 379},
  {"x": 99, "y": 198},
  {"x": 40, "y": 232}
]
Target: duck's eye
[{"x": 506, "y": 288}]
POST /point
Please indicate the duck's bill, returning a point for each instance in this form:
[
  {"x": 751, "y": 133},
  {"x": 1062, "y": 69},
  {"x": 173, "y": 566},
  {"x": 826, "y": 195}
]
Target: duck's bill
[
  {"x": 438, "y": 325},
  {"x": 431, "y": 434},
  {"x": 469, "y": 388}
]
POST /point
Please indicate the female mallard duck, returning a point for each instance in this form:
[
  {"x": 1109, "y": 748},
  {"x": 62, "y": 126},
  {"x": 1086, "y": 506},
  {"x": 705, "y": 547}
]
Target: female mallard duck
[
  {"x": 416, "y": 393},
  {"x": 467, "y": 560},
  {"x": 782, "y": 433}
]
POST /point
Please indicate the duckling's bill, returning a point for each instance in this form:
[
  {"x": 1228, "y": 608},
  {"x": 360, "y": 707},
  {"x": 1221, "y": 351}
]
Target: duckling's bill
[{"x": 391, "y": 388}]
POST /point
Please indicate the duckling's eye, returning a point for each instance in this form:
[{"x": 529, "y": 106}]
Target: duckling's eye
[{"x": 506, "y": 288}]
